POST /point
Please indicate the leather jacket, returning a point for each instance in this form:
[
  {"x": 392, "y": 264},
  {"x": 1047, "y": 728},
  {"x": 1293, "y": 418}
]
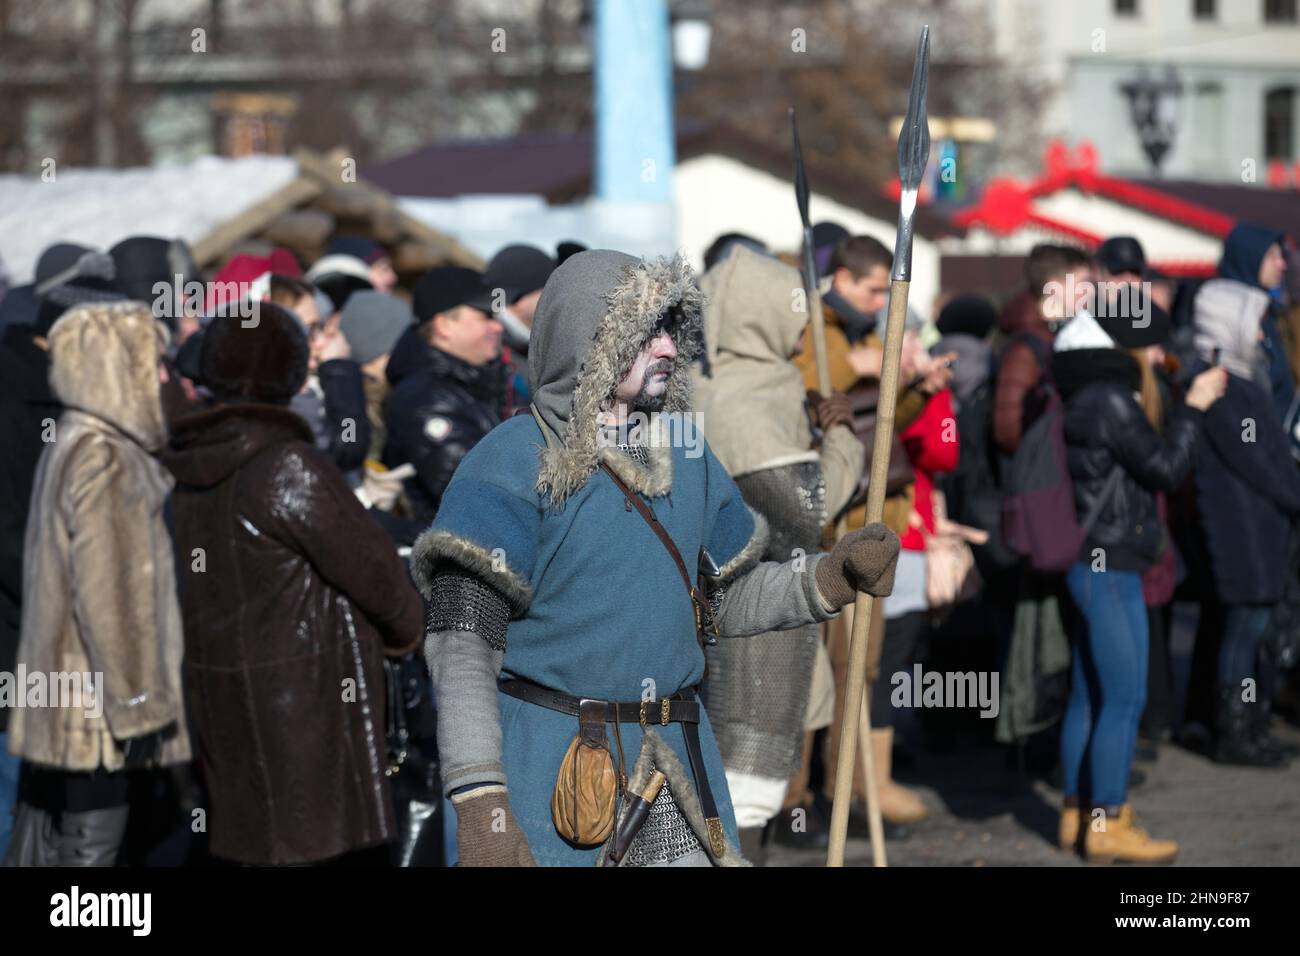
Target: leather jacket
[
  {"x": 299, "y": 596},
  {"x": 1104, "y": 427},
  {"x": 439, "y": 409}
]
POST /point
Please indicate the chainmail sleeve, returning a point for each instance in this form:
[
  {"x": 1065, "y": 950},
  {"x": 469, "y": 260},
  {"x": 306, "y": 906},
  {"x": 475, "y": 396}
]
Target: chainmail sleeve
[{"x": 462, "y": 602}]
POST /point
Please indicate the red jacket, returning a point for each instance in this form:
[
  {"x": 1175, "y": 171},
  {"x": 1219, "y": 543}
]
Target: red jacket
[{"x": 932, "y": 446}]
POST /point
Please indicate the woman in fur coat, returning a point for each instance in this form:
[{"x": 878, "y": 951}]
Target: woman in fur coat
[{"x": 101, "y": 627}]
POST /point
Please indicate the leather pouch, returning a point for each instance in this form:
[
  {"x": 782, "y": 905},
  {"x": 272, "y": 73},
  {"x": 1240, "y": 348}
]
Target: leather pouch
[{"x": 585, "y": 799}]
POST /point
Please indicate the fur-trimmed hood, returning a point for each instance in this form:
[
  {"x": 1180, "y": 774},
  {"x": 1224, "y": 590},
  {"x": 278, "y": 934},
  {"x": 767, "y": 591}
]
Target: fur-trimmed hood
[
  {"x": 596, "y": 312},
  {"x": 104, "y": 362}
]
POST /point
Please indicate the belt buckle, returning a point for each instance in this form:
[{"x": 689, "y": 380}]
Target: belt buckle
[
  {"x": 663, "y": 711},
  {"x": 641, "y": 716}
]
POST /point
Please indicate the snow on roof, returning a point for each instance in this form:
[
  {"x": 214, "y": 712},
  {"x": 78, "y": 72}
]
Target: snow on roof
[{"x": 99, "y": 207}]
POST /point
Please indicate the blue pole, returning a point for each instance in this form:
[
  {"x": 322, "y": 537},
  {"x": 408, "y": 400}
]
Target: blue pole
[{"x": 634, "y": 101}]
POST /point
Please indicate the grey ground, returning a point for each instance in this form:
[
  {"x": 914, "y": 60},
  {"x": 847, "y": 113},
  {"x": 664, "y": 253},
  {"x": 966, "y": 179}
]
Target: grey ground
[{"x": 984, "y": 814}]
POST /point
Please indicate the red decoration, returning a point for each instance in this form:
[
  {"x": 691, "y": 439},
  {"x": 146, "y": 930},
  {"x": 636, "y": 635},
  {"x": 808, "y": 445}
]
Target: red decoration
[{"x": 1006, "y": 206}]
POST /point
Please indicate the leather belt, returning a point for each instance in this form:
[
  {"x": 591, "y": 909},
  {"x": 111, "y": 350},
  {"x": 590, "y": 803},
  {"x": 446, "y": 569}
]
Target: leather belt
[{"x": 681, "y": 708}]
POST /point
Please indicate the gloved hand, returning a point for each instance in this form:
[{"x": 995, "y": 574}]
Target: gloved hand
[
  {"x": 487, "y": 833},
  {"x": 863, "y": 560},
  {"x": 829, "y": 412},
  {"x": 143, "y": 751}
]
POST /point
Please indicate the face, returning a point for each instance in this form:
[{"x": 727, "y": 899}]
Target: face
[
  {"x": 645, "y": 387},
  {"x": 1083, "y": 290},
  {"x": 1272, "y": 267},
  {"x": 867, "y": 294},
  {"x": 468, "y": 333},
  {"x": 382, "y": 276},
  {"x": 310, "y": 315},
  {"x": 526, "y": 306}
]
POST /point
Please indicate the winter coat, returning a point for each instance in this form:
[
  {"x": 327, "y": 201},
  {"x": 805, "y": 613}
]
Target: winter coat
[
  {"x": 1248, "y": 493},
  {"x": 933, "y": 447},
  {"x": 1104, "y": 427},
  {"x": 1243, "y": 252},
  {"x": 439, "y": 409},
  {"x": 291, "y": 596},
  {"x": 1016, "y": 397},
  {"x": 99, "y": 579},
  {"x": 27, "y": 406},
  {"x": 335, "y": 410}
]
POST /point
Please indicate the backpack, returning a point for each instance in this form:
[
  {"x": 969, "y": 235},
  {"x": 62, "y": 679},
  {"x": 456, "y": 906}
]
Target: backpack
[
  {"x": 1038, "y": 517},
  {"x": 973, "y": 490}
]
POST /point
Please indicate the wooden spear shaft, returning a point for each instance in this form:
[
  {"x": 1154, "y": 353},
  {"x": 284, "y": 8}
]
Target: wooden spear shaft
[
  {"x": 812, "y": 293},
  {"x": 913, "y": 153},
  {"x": 857, "y": 667}
]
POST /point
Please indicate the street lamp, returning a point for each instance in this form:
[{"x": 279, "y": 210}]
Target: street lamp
[
  {"x": 692, "y": 27},
  {"x": 1153, "y": 105}
]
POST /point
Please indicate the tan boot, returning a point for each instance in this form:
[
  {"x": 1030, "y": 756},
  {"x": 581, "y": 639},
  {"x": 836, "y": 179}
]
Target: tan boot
[
  {"x": 1069, "y": 835},
  {"x": 1120, "y": 838},
  {"x": 898, "y": 804}
]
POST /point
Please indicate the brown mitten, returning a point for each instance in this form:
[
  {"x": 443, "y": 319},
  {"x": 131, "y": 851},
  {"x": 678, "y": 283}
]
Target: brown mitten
[
  {"x": 863, "y": 560},
  {"x": 829, "y": 412},
  {"x": 487, "y": 833}
]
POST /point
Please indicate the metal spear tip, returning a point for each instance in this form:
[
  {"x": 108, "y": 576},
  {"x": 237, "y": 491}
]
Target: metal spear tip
[
  {"x": 800, "y": 176},
  {"x": 914, "y": 137}
]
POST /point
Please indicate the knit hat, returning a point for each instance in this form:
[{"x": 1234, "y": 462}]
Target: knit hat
[
  {"x": 263, "y": 362},
  {"x": 569, "y": 247},
  {"x": 372, "y": 322},
  {"x": 446, "y": 287},
  {"x": 1122, "y": 254},
  {"x": 338, "y": 276},
  {"x": 519, "y": 269},
  {"x": 142, "y": 262},
  {"x": 1134, "y": 325},
  {"x": 87, "y": 279},
  {"x": 361, "y": 247},
  {"x": 967, "y": 315}
]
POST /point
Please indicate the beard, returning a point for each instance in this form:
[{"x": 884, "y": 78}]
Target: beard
[{"x": 644, "y": 402}]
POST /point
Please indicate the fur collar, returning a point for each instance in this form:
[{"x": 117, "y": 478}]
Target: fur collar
[{"x": 645, "y": 290}]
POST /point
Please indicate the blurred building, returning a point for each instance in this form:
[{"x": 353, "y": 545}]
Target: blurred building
[{"x": 1188, "y": 89}]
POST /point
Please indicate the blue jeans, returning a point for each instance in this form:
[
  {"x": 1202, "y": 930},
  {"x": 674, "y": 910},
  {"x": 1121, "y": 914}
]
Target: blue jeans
[
  {"x": 1243, "y": 627},
  {"x": 8, "y": 791},
  {"x": 1108, "y": 685}
]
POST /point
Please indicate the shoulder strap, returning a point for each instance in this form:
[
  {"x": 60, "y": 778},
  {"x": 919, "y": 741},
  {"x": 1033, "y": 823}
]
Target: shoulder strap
[
  {"x": 652, "y": 520},
  {"x": 1039, "y": 349},
  {"x": 1107, "y": 492}
]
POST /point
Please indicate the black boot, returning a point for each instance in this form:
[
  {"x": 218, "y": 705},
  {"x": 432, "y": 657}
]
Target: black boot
[
  {"x": 801, "y": 828},
  {"x": 1266, "y": 682},
  {"x": 751, "y": 844},
  {"x": 1261, "y": 723},
  {"x": 1236, "y": 742}
]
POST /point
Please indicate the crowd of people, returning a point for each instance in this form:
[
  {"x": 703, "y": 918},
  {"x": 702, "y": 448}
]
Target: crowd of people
[{"x": 341, "y": 561}]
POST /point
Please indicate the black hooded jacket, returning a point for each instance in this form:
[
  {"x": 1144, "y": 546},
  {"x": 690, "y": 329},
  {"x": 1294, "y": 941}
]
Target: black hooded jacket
[
  {"x": 26, "y": 403},
  {"x": 1104, "y": 427},
  {"x": 1248, "y": 493},
  {"x": 439, "y": 409}
]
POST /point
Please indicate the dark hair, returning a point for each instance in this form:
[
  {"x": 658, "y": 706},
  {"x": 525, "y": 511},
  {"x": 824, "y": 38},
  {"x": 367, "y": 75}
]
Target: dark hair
[
  {"x": 287, "y": 290},
  {"x": 859, "y": 254},
  {"x": 1047, "y": 261}
]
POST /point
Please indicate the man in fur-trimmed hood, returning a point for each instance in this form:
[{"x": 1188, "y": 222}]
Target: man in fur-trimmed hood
[{"x": 554, "y": 589}]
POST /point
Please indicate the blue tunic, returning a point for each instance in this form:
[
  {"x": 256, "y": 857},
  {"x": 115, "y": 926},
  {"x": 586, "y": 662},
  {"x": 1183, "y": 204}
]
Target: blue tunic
[{"x": 609, "y": 616}]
